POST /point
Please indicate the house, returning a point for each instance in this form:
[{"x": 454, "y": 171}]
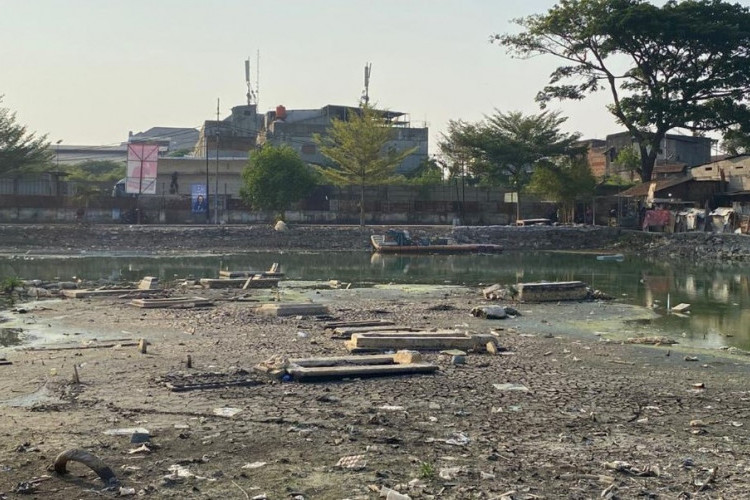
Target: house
[
  {"x": 173, "y": 139},
  {"x": 677, "y": 153}
]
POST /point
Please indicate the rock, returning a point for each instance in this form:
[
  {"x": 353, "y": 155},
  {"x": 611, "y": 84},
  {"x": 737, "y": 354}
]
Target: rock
[
  {"x": 489, "y": 312},
  {"x": 281, "y": 226}
]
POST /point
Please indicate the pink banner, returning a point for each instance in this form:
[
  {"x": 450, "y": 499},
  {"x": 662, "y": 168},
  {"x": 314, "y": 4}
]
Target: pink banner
[{"x": 142, "y": 168}]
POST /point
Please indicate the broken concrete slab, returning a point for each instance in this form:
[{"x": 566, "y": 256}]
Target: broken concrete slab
[
  {"x": 149, "y": 283},
  {"x": 240, "y": 282},
  {"x": 362, "y": 342},
  {"x": 171, "y": 302},
  {"x": 85, "y": 294},
  {"x": 291, "y": 309},
  {"x": 352, "y": 324},
  {"x": 552, "y": 291}
]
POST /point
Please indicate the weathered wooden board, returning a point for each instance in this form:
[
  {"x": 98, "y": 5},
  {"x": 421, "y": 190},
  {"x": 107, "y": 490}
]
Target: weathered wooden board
[
  {"x": 292, "y": 309},
  {"x": 83, "y": 294},
  {"x": 351, "y": 324},
  {"x": 107, "y": 345},
  {"x": 171, "y": 302},
  {"x": 377, "y": 359},
  {"x": 247, "y": 274},
  {"x": 5, "y": 362},
  {"x": 348, "y": 330},
  {"x": 210, "y": 385},
  {"x": 302, "y": 373},
  {"x": 239, "y": 282},
  {"x": 363, "y": 342}
]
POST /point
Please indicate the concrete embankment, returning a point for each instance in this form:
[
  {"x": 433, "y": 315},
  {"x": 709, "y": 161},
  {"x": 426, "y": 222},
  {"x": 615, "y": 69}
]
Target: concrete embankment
[{"x": 60, "y": 238}]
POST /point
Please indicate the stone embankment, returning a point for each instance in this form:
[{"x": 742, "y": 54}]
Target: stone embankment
[{"x": 60, "y": 238}]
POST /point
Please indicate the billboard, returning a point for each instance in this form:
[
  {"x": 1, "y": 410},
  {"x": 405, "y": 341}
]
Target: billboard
[
  {"x": 198, "y": 198},
  {"x": 141, "y": 176}
]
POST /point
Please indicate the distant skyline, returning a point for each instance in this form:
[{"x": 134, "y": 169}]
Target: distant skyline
[{"x": 89, "y": 71}]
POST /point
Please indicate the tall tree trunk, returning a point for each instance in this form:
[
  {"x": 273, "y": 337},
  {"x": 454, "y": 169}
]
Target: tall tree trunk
[{"x": 362, "y": 205}]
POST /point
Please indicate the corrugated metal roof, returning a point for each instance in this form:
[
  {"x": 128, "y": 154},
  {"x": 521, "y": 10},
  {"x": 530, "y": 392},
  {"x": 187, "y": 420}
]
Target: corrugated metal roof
[{"x": 643, "y": 188}]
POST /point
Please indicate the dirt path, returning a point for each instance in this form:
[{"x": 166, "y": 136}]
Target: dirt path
[{"x": 453, "y": 434}]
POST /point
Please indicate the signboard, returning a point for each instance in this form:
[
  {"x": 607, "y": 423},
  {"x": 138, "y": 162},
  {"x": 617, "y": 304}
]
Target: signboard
[
  {"x": 141, "y": 176},
  {"x": 510, "y": 198},
  {"x": 198, "y": 198}
]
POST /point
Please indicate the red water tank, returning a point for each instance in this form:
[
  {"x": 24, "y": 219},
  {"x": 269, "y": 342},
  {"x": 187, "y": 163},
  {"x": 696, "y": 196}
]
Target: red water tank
[{"x": 280, "y": 112}]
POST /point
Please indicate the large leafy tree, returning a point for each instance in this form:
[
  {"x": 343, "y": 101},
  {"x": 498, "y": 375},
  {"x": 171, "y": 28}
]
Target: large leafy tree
[
  {"x": 682, "y": 65},
  {"x": 360, "y": 152},
  {"x": 736, "y": 142},
  {"x": 275, "y": 178},
  {"x": 565, "y": 181},
  {"x": 19, "y": 148},
  {"x": 505, "y": 148}
]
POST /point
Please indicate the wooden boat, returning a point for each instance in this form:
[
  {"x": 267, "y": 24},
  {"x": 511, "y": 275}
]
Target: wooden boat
[{"x": 385, "y": 244}]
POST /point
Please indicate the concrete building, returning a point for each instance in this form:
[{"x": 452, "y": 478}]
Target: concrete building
[
  {"x": 173, "y": 139},
  {"x": 297, "y": 129}
]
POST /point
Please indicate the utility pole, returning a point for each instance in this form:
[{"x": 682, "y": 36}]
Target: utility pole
[
  {"x": 205, "y": 152},
  {"x": 218, "y": 136}
]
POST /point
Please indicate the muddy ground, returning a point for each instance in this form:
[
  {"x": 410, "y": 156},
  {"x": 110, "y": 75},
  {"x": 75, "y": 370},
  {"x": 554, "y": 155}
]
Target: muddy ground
[{"x": 590, "y": 417}]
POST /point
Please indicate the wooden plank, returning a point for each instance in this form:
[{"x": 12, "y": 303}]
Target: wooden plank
[
  {"x": 348, "y": 330},
  {"x": 210, "y": 385},
  {"x": 5, "y": 362},
  {"x": 171, "y": 302},
  {"x": 239, "y": 282},
  {"x": 76, "y": 347},
  {"x": 410, "y": 333},
  {"x": 83, "y": 294},
  {"x": 378, "y": 359},
  {"x": 362, "y": 342},
  {"x": 344, "y": 324},
  {"x": 247, "y": 274},
  {"x": 301, "y": 373},
  {"x": 291, "y": 309}
]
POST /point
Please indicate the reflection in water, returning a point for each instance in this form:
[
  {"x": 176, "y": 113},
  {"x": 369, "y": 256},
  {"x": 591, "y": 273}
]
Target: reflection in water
[
  {"x": 10, "y": 336},
  {"x": 716, "y": 294}
]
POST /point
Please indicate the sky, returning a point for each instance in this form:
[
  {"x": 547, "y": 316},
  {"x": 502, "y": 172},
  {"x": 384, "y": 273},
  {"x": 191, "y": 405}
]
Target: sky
[{"x": 87, "y": 72}]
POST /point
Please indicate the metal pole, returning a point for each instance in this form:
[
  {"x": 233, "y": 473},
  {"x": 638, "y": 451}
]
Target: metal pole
[
  {"x": 205, "y": 152},
  {"x": 218, "y": 135}
]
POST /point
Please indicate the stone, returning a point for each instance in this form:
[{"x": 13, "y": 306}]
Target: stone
[
  {"x": 281, "y": 226},
  {"x": 406, "y": 356}
]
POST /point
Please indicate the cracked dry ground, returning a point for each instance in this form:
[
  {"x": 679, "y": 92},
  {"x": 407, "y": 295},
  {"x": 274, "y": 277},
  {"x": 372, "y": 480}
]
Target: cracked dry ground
[{"x": 588, "y": 403}]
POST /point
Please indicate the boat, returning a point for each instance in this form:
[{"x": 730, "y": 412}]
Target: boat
[
  {"x": 400, "y": 242},
  {"x": 618, "y": 257}
]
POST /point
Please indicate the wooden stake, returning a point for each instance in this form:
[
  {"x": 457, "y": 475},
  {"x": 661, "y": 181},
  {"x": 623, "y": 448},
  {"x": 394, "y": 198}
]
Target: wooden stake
[
  {"x": 142, "y": 346},
  {"x": 76, "y": 379},
  {"x": 189, "y": 361}
]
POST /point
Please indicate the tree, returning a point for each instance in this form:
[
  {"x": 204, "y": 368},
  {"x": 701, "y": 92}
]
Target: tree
[
  {"x": 505, "y": 148},
  {"x": 429, "y": 171},
  {"x": 687, "y": 63},
  {"x": 96, "y": 171},
  {"x": 275, "y": 178},
  {"x": 19, "y": 148},
  {"x": 629, "y": 160},
  {"x": 566, "y": 182},
  {"x": 359, "y": 150},
  {"x": 736, "y": 142}
]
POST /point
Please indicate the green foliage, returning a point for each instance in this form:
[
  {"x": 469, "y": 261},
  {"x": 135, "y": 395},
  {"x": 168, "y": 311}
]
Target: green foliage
[
  {"x": 679, "y": 65},
  {"x": 19, "y": 148},
  {"x": 736, "y": 142},
  {"x": 275, "y": 178},
  {"x": 358, "y": 148},
  {"x": 10, "y": 283},
  {"x": 505, "y": 148},
  {"x": 565, "y": 182},
  {"x": 426, "y": 470},
  {"x": 96, "y": 171},
  {"x": 429, "y": 172}
]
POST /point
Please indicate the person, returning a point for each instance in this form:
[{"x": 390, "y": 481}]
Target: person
[{"x": 200, "y": 206}]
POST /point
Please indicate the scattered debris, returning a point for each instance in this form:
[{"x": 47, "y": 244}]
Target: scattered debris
[
  {"x": 344, "y": 324},
  {"x": 511, "y": 387},
  {"x": 489, "y": 312},
  {"x": 253, "y": 465},
  {"x": 625, "y": 467},
  {"x": 149, "y": 283},
  {"x": 651, "y": 340},
  {"x": 226, "y": 412},
  {"x": 244, "y": 283},
  {"x": 681, "y": 307},
  {"x": 354, "y": 462},
  {"x": 89, "y": 460}
]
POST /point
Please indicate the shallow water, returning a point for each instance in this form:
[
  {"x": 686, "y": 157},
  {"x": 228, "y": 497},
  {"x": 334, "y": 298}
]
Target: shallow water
[{"x": 717, "y": 294}]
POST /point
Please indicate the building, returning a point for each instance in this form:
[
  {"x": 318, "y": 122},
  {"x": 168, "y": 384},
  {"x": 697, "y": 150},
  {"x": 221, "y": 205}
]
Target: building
[
  {"x": 298, "y": 128},
  {"x": 244, "y": 130},
  {"x": 174, "y": 139}
]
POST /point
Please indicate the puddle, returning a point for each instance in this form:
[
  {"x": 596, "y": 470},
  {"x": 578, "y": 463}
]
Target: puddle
[
  {"x": 42, "y": 396},
  {"x": 11, "y": 337}
]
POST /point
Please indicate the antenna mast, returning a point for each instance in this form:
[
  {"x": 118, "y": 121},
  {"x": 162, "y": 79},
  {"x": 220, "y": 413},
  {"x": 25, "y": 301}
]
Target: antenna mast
[
  {"x": 251, "y": 96},
  {"x": 257, "y": 78},
  {"x": 365, "y": 99}
]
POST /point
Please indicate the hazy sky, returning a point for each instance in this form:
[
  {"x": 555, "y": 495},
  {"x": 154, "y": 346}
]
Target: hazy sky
[{"x": 89, "y": 71}]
